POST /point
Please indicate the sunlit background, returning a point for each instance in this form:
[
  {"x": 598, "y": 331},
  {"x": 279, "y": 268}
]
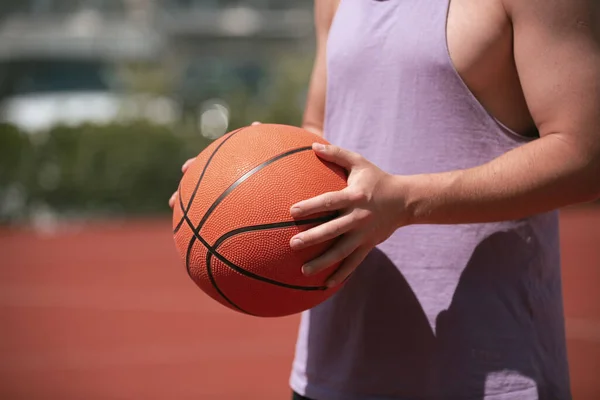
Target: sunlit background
[{"x": 101, "y": 101}]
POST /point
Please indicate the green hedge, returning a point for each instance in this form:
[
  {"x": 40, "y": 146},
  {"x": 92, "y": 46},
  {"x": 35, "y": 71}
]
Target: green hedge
[
  {"x": 95, "y": 171},
  {"x": 91, "y": 170}
]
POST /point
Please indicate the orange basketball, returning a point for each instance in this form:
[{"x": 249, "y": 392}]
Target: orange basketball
[{"x": 232, "y": 222}]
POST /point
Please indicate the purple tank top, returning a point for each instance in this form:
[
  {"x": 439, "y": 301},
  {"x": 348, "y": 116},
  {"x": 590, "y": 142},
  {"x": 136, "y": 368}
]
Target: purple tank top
[{"x": 435, "y": 312}]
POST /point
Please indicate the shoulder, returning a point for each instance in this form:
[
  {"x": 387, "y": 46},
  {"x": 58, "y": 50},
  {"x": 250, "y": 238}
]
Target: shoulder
[
  {"x": 324, "y": 12},
  {"x": 555, "y": 13}
]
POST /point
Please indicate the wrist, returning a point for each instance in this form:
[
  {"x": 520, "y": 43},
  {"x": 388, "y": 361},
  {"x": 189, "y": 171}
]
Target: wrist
[
  {"x": 403, "y": 190},
  {"x": 415, "y": 199},
  {"x": 425, "y": 195}
]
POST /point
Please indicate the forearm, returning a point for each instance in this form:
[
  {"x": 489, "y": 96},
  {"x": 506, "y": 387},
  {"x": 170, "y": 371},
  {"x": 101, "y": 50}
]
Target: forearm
[
  {"x": 312, "y": 128},
  {"x": 540, "y": 176}
]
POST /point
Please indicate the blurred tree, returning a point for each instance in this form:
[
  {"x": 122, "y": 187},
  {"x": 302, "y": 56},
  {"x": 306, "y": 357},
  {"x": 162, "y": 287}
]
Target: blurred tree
[
  {"x": 153, "y": 78},
  {"x": 127, "y": 169}
]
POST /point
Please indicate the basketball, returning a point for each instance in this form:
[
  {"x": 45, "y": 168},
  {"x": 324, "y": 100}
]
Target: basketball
[{"x": 232, "y": 224}]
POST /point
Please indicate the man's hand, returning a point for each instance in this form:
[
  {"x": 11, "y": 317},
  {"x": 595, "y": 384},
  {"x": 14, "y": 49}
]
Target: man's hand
[
  {"x": 370, "y": 207},
  {"x": 184, "y": 168}
]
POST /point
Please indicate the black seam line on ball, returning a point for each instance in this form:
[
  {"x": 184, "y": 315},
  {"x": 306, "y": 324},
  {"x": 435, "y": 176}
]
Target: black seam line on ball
[
  {"x": 214, "y": 283},
  {"x": 263, "y": 227},
  {"x": 242, "y": 271},
  {"x": 193, "y": 196},
  {"x": 254, "y": 228},
  {"x": 244, "y": 178},
  {"x": 196, "y": 230},
  {"x": 274, "y": 225},
  {"x": 208, "y": 271}
]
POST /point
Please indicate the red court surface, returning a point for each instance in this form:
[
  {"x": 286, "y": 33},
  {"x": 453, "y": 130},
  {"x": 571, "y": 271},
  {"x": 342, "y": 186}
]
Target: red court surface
[{"x": 106, "y": 311}]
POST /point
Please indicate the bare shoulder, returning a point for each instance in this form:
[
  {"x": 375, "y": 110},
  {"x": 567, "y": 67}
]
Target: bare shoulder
[
  {"x": 561, "y": 16},
  {"x": 314, "y": 112},
  {"x": 557, "y": 54},
  {"x": 324, "y": 13}
]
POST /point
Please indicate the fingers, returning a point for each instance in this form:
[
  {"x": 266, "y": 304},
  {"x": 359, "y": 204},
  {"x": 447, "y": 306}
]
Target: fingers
[
  {"x": 172, "y": 200},
  {"x": 338, "y": 252},
  {"x": 184, "y": 168},
  {"x": 187, "y": 165},
  {"x": 335, "y": 154},
  {"x": 331, "y": 201},
  {"x": 348, "y": 266},
  {"x": 321, "y": 233}
]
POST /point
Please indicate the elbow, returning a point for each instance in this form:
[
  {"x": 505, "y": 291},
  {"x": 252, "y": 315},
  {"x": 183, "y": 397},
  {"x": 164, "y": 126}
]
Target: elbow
[
  {"x": 596, "y": 194},
  {"x": 596, "y": 177},
  {"x": 593, "y": 181},
  {"x": 593, "y": 197},
  {"x": 587, "y": 194}
]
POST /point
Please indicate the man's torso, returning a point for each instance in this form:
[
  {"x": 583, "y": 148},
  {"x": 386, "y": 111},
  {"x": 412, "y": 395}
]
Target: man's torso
[{"x": 464, "y": 311}]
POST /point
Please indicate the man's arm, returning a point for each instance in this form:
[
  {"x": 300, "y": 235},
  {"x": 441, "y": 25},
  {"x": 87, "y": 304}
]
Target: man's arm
[
  {"x": 557, "y": 53},
  {"x": 314, "y": 113}
]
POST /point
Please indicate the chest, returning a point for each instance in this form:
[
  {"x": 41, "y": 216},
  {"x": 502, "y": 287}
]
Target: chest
[
  {"x": 400, "y": 40},
  {"x": 476, "y": 33}
]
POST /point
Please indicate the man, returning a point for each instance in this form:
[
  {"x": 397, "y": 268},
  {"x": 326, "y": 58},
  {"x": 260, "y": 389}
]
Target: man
[{"x": 464, "y": 125}]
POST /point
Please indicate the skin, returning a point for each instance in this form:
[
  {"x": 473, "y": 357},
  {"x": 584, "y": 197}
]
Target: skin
[{"x": 535, "y": 66}]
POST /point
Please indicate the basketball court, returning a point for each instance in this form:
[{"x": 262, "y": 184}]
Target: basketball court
[{"x": 107, "y": 311}]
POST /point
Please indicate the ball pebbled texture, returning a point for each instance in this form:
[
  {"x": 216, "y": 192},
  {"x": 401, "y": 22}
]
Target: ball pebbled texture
[{"x": 232, "y": 223}]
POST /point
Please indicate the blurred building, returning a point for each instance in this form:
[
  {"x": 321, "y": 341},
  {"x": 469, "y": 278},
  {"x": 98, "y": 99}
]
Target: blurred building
[{"x": 60, "y": 60}]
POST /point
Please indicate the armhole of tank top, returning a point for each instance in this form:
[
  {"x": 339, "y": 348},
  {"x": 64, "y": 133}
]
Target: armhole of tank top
[{"x": 508, "y": 132}]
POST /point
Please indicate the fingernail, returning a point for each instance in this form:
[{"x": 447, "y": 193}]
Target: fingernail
[
  {"x": 318, "y": 146},
  {"x": 296, "y": 211},
  {"x": 307, "y": 270},
  {"x": 297, "y": 242}
]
